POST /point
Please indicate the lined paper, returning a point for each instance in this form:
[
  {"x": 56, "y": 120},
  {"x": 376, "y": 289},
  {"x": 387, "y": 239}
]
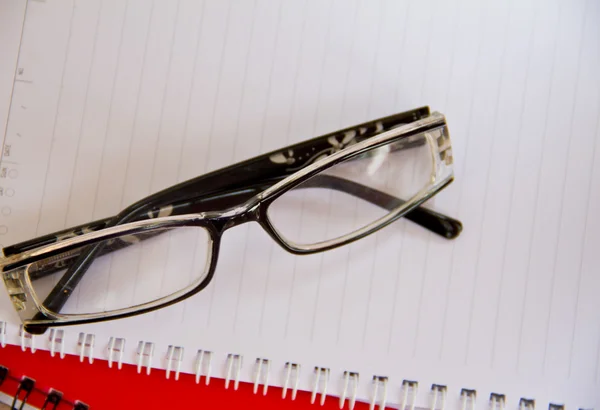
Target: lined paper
[{"x": 116, "y": 100}]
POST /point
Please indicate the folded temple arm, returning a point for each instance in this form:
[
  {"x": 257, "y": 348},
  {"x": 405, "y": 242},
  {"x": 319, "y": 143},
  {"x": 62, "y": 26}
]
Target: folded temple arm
[{"x": 435, "y": 222}]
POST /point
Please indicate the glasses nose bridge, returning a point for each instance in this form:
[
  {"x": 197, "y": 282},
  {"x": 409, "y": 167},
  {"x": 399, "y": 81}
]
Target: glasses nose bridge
[{"x": 236, "y": 217}]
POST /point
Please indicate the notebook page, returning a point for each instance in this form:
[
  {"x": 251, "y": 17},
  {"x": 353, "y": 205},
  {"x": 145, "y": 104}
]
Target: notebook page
[{"x": 115, "y": 100}]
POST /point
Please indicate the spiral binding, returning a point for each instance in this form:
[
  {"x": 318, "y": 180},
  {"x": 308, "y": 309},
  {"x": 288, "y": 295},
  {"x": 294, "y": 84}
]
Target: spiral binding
[
  {"x": 497, "y": 401},
  {"x": 116, "y": 346},
  {"x": 231, "y": 359},
  {"x": 292, "y": 370},
  {"x": 203, "y": 362},
  {"x": 439, "y": 396},
  {"x": 409, "y": 393},
  {"x": 52, "y": 399},
  {"x": 26, "y": 386},
  {"x": 263, "y": 366},
  {"x": 379, "y": 383},
  {"x": 174, "y": 355},
  {"x": 467, "y": 399},
  {"x": 321, "y": 382},
  {"x": 56, "y": 339},
  {"x": 85, "y": 344},
  {"x": 27, "y": 340},
  {"x": 348, "y": 376},
  {"x": 145, "y": 351},
  {"x": 321, "y": 377},
  {"x": 2, "y": 334},
  {"x": 23, "y": 391},
  {"x": 526, "y": 404}
]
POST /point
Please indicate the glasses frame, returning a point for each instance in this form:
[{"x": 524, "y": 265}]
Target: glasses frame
[{"x": 37, "y": 319}]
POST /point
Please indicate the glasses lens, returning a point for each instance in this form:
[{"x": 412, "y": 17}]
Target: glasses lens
[
  {"x": 355, "y": 193},
  {"x": 127, "y": 271}
]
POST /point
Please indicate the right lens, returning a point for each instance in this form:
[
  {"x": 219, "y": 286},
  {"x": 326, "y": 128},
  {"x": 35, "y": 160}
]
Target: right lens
[
  {"x": 128, "y": 271},
  {"x": 355, "y": 193}
]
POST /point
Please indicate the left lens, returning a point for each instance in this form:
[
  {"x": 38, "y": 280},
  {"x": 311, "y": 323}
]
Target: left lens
[
  {"x": 130, "y": 270},
  {"x": 355, "y": 193}
]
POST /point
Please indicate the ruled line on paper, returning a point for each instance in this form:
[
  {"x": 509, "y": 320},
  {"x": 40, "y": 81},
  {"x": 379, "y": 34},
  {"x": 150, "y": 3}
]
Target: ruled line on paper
[
  {"x": 218, "y": 82},
  {"x": 188, "y": 98},
  {"x": 582, "y": 257},
  {"x": 237, "y": 136},
  {"x": 538, "y": 178},
  {"x": 513, "y": 168},
  {"x": 191, "y": 90},
  {"x": 60, "y": 93},
  {"x": 262, "y": 149},
  {"x": 460, "y": 170},
  {"x": 163, "y": 98},
  {"x": 560, "y": 212},
  {"x": 451, "y": 16},
  {"x": 381, "y": 9},
  {"x": 494, "y": 132},
  {"x": 109, "y": 115},
  {"x": 221, "y": 134},
  {"x": 344, "y": 101},
  {"x": 85, "y": 105},
  {"x": 288, "y": 138},
  {"x": 161, "y": 114},
  {"x": 137, "y": 103}
]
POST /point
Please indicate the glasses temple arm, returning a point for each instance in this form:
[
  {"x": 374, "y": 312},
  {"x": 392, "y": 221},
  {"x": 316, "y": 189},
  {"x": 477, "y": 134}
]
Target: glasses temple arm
[
  {"x": 438, "y": 223},
  {"x": 435, "y": 222}
]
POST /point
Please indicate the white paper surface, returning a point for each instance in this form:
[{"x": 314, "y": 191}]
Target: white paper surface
[{"x": 115, "y": 100}]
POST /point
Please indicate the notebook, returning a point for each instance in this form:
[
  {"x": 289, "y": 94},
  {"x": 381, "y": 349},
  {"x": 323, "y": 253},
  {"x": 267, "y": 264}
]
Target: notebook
[{"x": 113, "y": 100}]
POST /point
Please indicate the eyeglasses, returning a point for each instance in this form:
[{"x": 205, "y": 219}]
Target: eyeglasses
[{"x": 310, "y": 197}]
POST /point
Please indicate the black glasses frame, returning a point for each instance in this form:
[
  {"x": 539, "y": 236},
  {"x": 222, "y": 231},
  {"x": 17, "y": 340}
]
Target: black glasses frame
[{"x": 225, "y": 198}]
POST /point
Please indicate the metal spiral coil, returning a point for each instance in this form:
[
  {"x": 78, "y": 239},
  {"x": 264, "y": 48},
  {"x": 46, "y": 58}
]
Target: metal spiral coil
[{"x": 322, "y": 379}]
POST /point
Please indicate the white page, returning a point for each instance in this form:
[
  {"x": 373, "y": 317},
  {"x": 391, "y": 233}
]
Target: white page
[{"x": 116, "y": 100}]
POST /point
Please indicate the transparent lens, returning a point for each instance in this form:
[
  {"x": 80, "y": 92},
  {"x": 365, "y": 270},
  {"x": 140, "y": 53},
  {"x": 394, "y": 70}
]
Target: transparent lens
[
  {"x": 354, "y": 193},
  {"x": 128, "y": 271}
]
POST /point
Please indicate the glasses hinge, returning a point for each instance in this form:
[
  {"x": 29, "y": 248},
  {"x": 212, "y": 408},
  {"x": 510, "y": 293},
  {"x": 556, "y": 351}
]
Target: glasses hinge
[
  {"x": 444, "y": 146},
  {"x": 15, "y": 290}
]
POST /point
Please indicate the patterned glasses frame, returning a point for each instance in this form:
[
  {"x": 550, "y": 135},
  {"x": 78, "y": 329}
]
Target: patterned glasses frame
[{"x": 229, "y": 197}]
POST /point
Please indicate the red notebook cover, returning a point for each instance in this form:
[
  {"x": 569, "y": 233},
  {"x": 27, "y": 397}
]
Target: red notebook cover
[{"x": 101, "y": 387}]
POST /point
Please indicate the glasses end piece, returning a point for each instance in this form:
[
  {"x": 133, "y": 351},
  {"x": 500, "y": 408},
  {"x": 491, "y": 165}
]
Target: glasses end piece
[
  {"x": 36, "y": 330},
  {"x": 453, "y": 228}
]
